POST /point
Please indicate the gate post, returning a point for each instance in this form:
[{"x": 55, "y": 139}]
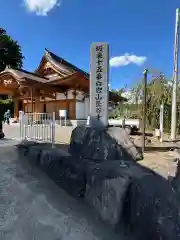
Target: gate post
[
  {"x": 21, "y": 118},
  {"x": 53, "y": 130}
]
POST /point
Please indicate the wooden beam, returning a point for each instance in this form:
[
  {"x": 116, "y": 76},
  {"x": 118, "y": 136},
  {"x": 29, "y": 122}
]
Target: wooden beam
[
  {"x": 16, "y": 107},
  {"x": 48, "y": 95},
  {"x": 76, "y": 81},
  {"x": 44, "y": 86},
  {"x": 66, "y": 79}
]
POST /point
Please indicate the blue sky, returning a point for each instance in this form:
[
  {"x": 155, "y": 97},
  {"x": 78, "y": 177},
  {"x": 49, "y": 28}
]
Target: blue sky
[{"x": 143, "y": 30}]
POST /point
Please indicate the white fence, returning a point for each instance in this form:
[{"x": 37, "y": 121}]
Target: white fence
[{"x": 38, "y": 126}]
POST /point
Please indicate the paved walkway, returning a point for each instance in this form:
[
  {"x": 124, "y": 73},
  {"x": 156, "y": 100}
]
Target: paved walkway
[{"x": 12, "y": 131}]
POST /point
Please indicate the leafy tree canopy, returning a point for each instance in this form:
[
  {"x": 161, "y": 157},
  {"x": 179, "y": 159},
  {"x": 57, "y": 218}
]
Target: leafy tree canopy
[
  {"x": 10, "y": 52},
  {"x": 159, "y": 91}
]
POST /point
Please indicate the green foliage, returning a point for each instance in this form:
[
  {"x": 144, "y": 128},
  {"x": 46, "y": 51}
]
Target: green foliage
[
  {"x": 6, "y": 101},
  {"x": 118, "y": 91},
  {"x": 116, "y": 112},
  {"x": 159, "y": 91},
  {"x": 10, "y": 52}
]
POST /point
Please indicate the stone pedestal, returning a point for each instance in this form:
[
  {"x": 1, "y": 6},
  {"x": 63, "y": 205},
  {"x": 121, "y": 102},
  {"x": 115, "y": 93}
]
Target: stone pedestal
[{"x": 101, "y": 144}]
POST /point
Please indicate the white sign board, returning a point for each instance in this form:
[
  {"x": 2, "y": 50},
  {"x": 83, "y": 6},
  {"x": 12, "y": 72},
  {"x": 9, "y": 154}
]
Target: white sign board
[
  {"x": 63, "y": 113},
  {"x": 99, "y": 79}
]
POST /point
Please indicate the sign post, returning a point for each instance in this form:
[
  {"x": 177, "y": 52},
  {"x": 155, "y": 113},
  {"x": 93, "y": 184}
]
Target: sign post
[
  {"x": 99, "y": 81},
  {"x": 63, "y": 115},
  {"x": 21, "y": 120},
  {"x": 161, "y": 118}
]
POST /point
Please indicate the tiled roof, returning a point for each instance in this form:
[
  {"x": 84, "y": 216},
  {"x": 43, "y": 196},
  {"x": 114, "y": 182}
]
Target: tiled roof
[
  {"x": 22, "y": 74},
  {"x": 31, "y": 78},
  {"x": 68, "y": 66}
]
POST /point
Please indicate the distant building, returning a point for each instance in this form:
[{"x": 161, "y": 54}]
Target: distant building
[{"x": 131, "y": 98}]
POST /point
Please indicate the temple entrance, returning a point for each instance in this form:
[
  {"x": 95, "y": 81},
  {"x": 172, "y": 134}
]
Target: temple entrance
[{"x": 20, "y": 106}]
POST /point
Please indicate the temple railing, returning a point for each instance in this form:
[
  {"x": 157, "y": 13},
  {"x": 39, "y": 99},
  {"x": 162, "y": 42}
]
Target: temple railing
[{"x": 38, "y": 126}]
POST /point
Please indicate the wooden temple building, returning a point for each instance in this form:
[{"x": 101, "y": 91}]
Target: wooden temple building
[{"x": 55, "y": 85}]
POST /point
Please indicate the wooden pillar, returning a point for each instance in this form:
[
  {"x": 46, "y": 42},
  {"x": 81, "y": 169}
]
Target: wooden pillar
[
  {"x": 74, "y": 105},
  {"x": 16, "y": 107},
  {"x": 23, "y": 106},
  {"x": 32, "y": 105},
  {"x": 33, "y": 100},
  {"x": 67, "y": 104},
  {"x": 36, "y": 102}
]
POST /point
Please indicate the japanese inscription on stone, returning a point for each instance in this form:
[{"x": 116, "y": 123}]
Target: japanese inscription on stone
[{"x": 99, "y": 93}]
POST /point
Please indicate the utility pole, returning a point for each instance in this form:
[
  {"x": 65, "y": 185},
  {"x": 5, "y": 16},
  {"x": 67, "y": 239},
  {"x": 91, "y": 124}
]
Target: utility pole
[
  {"x": 144, "y": 109},
  {"x": 175, "y": 78}
]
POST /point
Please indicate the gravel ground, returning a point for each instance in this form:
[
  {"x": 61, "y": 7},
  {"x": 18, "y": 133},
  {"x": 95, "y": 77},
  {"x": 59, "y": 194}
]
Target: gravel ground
[
  {"x": 161, "y": 162},
  {"x": 32, "y": 207}
]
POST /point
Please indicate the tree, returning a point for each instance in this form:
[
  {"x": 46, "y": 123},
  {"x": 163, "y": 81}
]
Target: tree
[
  {"x": 10, "y": 52},
  {"x": 118, "y": 91},
  {"x": 115, "y": 112},
  {"x": 159, "y": 90}
]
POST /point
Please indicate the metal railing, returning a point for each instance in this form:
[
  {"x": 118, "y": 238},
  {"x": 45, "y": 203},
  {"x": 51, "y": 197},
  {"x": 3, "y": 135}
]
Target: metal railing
[{"x": 38, "y": 126}]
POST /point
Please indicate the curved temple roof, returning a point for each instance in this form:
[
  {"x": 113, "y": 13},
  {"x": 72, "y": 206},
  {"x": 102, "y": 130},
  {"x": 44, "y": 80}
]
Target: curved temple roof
[
  {"x": 30, "y": 79},
  {"x": 68, "y": 66},
  {"x": 68, "y": 70},
  {"x": 22, "y": 74}
]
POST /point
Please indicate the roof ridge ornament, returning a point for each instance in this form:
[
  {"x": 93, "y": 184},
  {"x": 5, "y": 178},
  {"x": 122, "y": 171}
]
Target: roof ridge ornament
[{"x": 47, "y": 53}]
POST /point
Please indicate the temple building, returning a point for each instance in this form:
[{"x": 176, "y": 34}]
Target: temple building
[{"x": 55, "y": 85}]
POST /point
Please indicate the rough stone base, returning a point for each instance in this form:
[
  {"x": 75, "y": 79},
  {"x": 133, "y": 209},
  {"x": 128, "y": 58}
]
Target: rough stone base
[
  {"x": 153, "y": 209},
  {"x": 103, "y": 144},
  {"x": 175, "y": 181},
  {"x": 107, "y": 186},
  {"x": 68, "y": 174},
  {"x": 107, "y": 198}
]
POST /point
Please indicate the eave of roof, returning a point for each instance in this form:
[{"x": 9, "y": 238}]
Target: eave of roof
[
  {"x": 116, "y": 96},
  {"x": 53, "y": 58},
  {"x": 21, "y": 74},
  {"x": 25, "y": 77},
  {"x": 56, "y": 59}
]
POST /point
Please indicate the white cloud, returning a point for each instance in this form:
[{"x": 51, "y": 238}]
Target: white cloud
[
  {"x": 127, "y": 59},
  {"x": 41, "y": 7}
]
